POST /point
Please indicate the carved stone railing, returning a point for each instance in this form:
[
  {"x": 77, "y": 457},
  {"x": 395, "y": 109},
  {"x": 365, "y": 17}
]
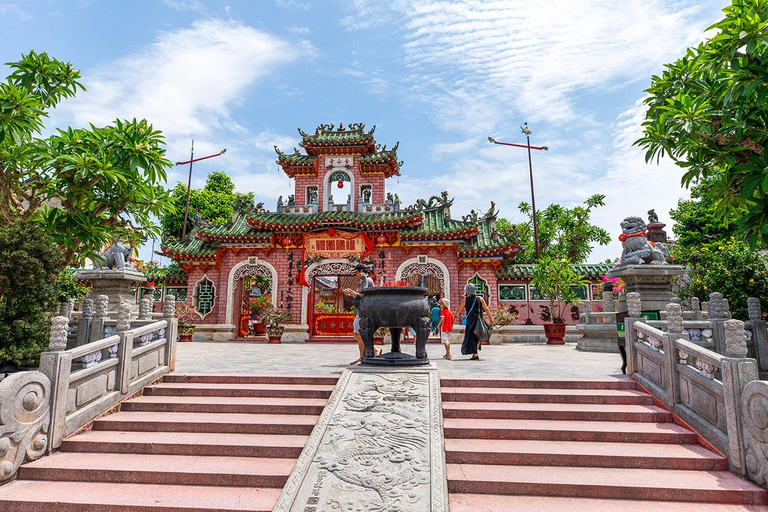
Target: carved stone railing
[
  {"x": 378, "y": 208},
  {"x": 297, "y": 209},
  {"x": 74, "y": 386},
  {"x": 713, "y": 393}
]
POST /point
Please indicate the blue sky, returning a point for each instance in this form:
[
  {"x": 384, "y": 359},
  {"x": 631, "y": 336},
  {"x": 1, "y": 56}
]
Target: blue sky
[{"x": 438, "y": 76}]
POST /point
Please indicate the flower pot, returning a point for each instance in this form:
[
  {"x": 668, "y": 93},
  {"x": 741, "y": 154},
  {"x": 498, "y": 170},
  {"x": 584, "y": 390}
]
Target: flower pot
[
  {"x": 260, "y": 329},
  {"x": 275, "y": 339},
  {"x": 185, "y": 336},
  {"x": 555, "y": 334},
  {"x": 378, "y": 340}
]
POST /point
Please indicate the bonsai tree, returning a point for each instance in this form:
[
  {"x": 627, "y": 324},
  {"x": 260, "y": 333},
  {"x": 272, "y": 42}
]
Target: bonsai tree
[
  {"x": 557, "y": 280},
  {"x": 186, "y": 318},
  {"x": 275, "y": 319}
]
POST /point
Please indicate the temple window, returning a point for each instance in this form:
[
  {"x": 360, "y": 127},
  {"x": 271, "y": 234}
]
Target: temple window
[
  {"x": 312, "y": 196},
  {"x": 204, "y": 297},
  {"x": 481, "y": 285},
  {"x": 366, "y": 194}
]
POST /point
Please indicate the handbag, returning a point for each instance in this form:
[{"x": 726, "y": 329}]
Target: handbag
[{"x": 482, "y": 330}]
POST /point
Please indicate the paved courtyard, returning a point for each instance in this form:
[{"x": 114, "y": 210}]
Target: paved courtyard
[{"x": 496, "y": 361}]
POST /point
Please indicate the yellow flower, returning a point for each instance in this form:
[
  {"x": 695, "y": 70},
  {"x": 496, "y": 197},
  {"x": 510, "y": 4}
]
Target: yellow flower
[
  {"x": 720, "y": 248},
  {"x": 751, "y": 280},
  {"x": 732, "y": 238},
  {"x": 705, "y": 287},
  {"x": 765, "y": 314}
]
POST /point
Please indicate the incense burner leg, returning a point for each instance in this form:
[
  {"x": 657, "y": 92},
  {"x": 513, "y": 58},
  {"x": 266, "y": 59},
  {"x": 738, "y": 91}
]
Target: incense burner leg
[
  {"x": 395, "y": 333},
  {"x": 366, "y": 333}
]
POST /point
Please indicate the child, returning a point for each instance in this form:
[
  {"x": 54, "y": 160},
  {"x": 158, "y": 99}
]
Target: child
[{"x": 445, "y": 326}]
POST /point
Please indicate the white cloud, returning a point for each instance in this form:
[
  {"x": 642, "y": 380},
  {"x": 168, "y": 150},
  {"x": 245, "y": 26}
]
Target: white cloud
[
  {"x": 15, "y": 10},
  {"x": 298, "y": 30},
  {"x": 186, "y": 5}
]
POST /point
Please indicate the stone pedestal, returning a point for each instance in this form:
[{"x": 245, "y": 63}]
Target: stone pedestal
[
  {"x": 214, "y": 332},
  {"x": 656, "y": 232},
  {"x": 295, "y": 333},
  {"x": 598, "y": 338},
  {"x": 117, "y": 284},
  {"x": 652, "y": 282}
]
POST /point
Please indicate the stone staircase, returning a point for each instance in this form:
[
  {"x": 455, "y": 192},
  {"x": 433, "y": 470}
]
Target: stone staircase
[
  {"x": 597, "y": 445},
  {"x": 191, "y": 442}
]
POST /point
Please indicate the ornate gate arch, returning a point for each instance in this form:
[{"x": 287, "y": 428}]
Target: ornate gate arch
[
  {"x": 249, "y": 267},
  {"x": 423, "y": 265},
  {"x": 331, "y": 267}
]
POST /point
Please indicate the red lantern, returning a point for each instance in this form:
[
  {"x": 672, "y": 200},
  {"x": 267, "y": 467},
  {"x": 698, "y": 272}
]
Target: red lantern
[
  {"x": 286, "y": 242},
  {"x": 340, "y": 184},
  {"x": 381, "y": 239}
]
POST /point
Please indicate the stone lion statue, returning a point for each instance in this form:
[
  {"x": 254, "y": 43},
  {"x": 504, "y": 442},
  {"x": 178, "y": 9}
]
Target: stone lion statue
[
  {"x": 637, "y": 249},
  {"x": 117, "y": 256}
]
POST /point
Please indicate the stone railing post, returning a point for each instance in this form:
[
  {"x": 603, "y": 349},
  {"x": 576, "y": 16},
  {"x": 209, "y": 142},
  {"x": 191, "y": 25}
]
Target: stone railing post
[
  {"x": 57, "y": 367},
  {"x": 671, "y": 354},
  {"x": 759, "y": 332},
  {"x": 65, "y": 309},
  {"x": 718, "y": 314},
  {"x": 145, "y": 309},
  {"x": 737, "y": 372},
  {"x": 609, "y": 300},
  {"x": 124, "y": 347},
  {"x": 96, "y": 331},
  {"x": 171, "y": 331},
  {"x": 696, "y": 308},
  {"x": 634, "y": 309},
  {"x": 84, "y": 324}
]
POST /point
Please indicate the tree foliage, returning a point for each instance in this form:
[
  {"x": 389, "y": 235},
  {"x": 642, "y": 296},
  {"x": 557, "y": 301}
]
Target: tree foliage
[
  {"x": 216, "y": 203},
  {"x": 563, "y": 232},
  {"x": 87, "y": 186},
  {"x": 29, "y": 292},
  {"x": 558, "y": 281},
  {"x": 708, "y": 112}
]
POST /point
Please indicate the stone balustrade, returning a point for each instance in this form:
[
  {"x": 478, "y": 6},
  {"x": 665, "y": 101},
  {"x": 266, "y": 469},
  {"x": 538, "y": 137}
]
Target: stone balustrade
[
  {"x": 38, "y": 409},
  {"x": 719, "y": 395}
]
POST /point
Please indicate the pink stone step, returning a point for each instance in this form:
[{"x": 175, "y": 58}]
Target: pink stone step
[
  {"x": 45, "y": 496},
  {"x": 574, "y": 453},
  {"x": 533, "y": 383},
  {"x": 241, "y": 378},
  {"x": 160, "y": 469},
  {"x": 498, "y": 503},
  {"x": 553, "y": 430},
  {"x": 553, "y": 411},
  {"x": 578, "y": 396},
  {"x": 208, "y": 422},
  {"x": 225, "y": 390},
  {"x": 616, "y": 483},
  {"x": 217, "y": 404},
  {"x": 187, "y": 443}
]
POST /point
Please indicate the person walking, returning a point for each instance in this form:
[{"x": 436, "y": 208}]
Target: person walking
[
  {"x": 436, "y": 318},
  {"x": 445, "y": 326},
  {"x": 474, "y": 306},
  {"x": 363, "y": 274}
]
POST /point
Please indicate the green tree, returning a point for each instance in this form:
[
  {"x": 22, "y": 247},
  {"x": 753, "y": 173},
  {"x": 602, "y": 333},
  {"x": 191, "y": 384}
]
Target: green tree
[
  {"x": 708, "y": 112},
  {"x": 216, "y": 203},
  {"x": 563, "y": 232},
  {"x": 697, "y": 224},
  {"x": 29, "y": 292},
  {"x": 86, "y": 186}
]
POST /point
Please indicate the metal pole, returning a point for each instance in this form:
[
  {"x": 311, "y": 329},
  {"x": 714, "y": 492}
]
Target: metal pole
[
  {"x": 533, "y": 201},
  {"x": 189, "y": 187}
]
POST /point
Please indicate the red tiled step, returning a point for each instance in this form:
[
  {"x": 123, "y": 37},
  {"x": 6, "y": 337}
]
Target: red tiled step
[
  {"x": 497, "y": 503},
  {"x": 550, "y": 411},
  {"x": 553, "y": 430},
  {"x": 37, "y": 496},
  {"x": 239, "y": 378},
  {"x": 578, "y": 396},
  {"x": 616, "y": 483},
  {"x": 208, "y": 422},
  {"x": 222, "y": 390},
  {"x": 218, "y": 404},
  {"x": 607, "y": 383},
  {"x": 187, "y": 443},
  {"x": 571, "y": 453},
  {"x": 160, "y": 469}
]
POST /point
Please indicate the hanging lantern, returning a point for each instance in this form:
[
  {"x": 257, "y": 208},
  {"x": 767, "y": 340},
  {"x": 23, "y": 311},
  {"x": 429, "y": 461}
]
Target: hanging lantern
[
  {"x": 381, "y": 239},
  {"x": 286, "y": 242},
  {"x": 340, "y": 184}
]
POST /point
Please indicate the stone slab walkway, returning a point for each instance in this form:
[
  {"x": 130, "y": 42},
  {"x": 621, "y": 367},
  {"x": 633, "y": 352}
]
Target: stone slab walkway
[{"x": 507, "y": 361}]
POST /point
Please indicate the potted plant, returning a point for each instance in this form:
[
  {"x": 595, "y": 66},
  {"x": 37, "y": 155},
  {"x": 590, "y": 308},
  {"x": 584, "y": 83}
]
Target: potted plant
[
  {"x": 259, "y": 307},
  {"x": 556, "y": 279},
  {"x": 502, "y": 319},
  {"x": 275, "y": 320},
  {"x": 185, "y": 316},
  {"x": 378, "y": 336}
]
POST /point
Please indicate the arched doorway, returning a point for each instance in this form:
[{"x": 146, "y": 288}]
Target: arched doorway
[
  {"x": 249, "y": 279},
  {"x": 438, "y": 279},
  {"x": 329, "y": 312}
]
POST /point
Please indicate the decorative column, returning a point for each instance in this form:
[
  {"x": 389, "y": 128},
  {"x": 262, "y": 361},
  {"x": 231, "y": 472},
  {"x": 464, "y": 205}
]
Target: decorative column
[
  {"x": 718, "y": 314},
  {"x": 56, "y": 365},
  {"x": 96, "y": 330},
  {"x": 634, "y": 309},
  {"x": 671, "y": 354},
  {"x": 171, "y": 330},
  {"x": 145, "y": 309}
]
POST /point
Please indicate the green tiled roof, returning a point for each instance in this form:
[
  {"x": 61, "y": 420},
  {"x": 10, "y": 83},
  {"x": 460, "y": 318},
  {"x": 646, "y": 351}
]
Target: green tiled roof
[
  {"x": 329, "y": 134},
  {"x": 195, "y": 247},
  {"x": 380, "y": 156},
  {"x": 285, "y": 221},
  {"x": 237, "y": 228},
  {"x": 166, "y": 275},
  {"x": 295, "y": 158},
  {"x": 523, "y": 271},
  {"x": 435, "y": 223}
]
